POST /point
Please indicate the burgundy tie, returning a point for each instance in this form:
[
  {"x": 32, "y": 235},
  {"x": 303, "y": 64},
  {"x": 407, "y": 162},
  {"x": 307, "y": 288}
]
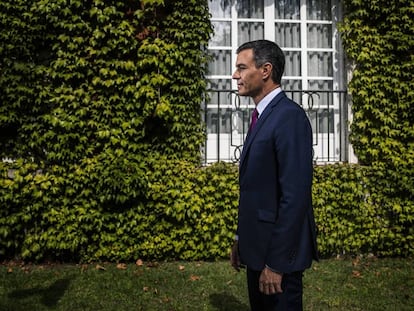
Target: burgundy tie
[{"x": 255, "y": 114}]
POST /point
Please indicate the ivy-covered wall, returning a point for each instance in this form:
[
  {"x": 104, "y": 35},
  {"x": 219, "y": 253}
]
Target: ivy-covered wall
[
  {"x": 102, "y": 79},
  {"x": 379, "y": 40},
  {"x": 181, "y": 212},
  {"x": 99, "y": 106}
]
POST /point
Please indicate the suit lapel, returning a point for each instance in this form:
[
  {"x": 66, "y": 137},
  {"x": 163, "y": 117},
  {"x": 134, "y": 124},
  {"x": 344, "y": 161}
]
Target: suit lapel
[{"x": 262, "y": 119}]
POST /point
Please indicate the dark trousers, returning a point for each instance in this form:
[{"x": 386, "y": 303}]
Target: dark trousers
[{"x": 289, "y": 300}]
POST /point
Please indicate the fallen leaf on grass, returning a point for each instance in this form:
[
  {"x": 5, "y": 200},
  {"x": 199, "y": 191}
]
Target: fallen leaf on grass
[
  {"x": 139, "y": 263},
  {"x": 10, "y": 270},
  {"x": 147, "y": 289},
  {"x": 99, "y": 267},
  {"x": 356, "y": 274},
  {"x": 194, "y": 278},
  {"x": 181, "y": 268},
  {"x": 121, "y": 266},
  {"x": 25, "y": 269},
  {"x": 355, "y": 262}
]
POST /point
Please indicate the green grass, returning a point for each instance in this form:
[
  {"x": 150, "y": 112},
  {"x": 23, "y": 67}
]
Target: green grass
[{"x": 343, "y": 284}]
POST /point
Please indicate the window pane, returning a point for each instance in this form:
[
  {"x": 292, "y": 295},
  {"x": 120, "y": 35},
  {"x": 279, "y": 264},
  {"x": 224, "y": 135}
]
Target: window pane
[
  {"x": 322, "y": 121},
  {"x": 319, "y": 10},
  {"x": 222, "y": 34},
  {"x": 245, "y": 101},
  {"x": 250, "y": 31},
  {"x": 287, "y": 9},
  {"x": 218, "y": 120},
  {"x": 291, "y": 84},
  {"x": 326, "y": 121},
  {"x": 292, "y": 63},
  {"x": 313, "y": 117},
  {"x": 219, "y": 93},
  {"x": 288, "y": 35},
  {"x": 239, "y": 123},
  {"x": 219, "y": 84},
  {"x": 250, "y": 8},
  {"x": 220, "y": 63},
  {"x": 319, "y": 36},
  {"x": 320, "y": 64},
  {"x": 321, "y": 98},
  {"x": 219, "y": 8},
  {"x": 292, "y": 89}
]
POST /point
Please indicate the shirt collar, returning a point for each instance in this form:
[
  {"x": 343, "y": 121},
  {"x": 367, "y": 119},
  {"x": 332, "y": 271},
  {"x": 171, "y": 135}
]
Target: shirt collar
[{"x": 261, "y": 106}]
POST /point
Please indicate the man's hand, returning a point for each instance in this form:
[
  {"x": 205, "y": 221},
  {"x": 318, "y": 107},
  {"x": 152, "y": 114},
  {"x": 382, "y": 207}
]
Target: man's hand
[
  {"x": 270, "y": 282},
  {"x": 234, "y": 256}
]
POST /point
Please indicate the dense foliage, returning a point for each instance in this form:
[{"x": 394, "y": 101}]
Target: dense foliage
[
  {"x": 355, "y": 213},
  {"x": 99, "y": 108},
  {"x": 83, "y": 78},
  {"x": 379, "y": 38},
  {"x": 181, "y": 212}
]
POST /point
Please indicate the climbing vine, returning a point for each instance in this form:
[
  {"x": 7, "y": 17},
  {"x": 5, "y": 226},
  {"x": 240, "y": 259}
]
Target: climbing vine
[
  {"x": 83, "y": 78},
  {"x": 378, "y": 39}
]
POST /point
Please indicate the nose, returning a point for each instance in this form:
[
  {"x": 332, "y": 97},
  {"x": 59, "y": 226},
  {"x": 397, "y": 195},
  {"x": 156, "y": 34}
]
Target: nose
[{"x": 235, "y": 75}]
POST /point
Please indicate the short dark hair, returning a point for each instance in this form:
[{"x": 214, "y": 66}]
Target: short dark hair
[{"x": 265, "y": 51}]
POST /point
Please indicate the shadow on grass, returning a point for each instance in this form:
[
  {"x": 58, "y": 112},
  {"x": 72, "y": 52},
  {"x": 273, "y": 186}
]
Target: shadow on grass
[
  {"x": 49, "y": 296},
  {"x": 225, "y": 302}
]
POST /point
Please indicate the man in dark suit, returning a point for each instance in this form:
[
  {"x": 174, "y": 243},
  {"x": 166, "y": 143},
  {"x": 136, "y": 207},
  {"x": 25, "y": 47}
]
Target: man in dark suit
[{"x": 276, "y": 236}]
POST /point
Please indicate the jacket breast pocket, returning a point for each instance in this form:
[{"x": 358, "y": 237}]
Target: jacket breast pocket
[{"x": 266, "y": 215}]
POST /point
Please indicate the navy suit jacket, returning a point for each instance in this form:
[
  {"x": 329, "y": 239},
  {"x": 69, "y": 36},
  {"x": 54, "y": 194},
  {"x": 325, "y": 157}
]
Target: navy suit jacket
[{"x": 276, "y": 226}]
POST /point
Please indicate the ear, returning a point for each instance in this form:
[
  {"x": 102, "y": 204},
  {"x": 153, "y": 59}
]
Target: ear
[{"x": 267, "y": 70}]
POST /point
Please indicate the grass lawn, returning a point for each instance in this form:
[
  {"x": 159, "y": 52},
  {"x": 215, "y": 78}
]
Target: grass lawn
[{"x": 334, "y": 284}]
